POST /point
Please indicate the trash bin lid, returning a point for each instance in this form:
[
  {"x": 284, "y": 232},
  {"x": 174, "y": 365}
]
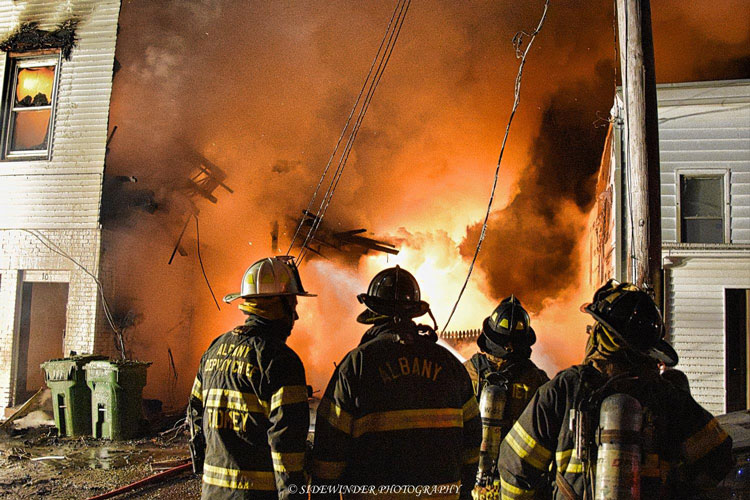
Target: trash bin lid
[{"x": 62, "y": 368}]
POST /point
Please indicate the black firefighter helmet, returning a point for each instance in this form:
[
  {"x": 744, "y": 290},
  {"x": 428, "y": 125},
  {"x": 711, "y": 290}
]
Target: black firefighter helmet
[
  {"x": 507, "y": 325},
  {"x": 393, "y": 293},
  {"x": 630, "y": 314}
]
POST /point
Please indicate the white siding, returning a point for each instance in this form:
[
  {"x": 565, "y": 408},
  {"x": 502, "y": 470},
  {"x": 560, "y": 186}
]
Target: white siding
[
  {"x": 695, "y": 320},
  {"x": 706, "y": 127},
  {"x": 66, "y": 191}
]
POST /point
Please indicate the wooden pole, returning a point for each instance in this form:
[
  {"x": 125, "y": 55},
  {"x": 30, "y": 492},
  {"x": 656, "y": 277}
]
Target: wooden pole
[{"x": 642, "y": 142}]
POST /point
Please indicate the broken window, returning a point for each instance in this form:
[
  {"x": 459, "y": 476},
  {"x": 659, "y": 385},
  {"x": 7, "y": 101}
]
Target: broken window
[
  {"x": 702, "y": 208},
  {"x": 29, "y": 105}
]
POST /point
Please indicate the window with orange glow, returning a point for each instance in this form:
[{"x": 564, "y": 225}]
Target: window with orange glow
[{"x": 29, "y": 107}]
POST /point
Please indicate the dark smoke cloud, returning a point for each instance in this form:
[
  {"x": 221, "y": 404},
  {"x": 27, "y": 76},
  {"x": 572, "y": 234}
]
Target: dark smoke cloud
[
  {"x": 262, "y": 89},
  {"x": 529, "y": 249}
]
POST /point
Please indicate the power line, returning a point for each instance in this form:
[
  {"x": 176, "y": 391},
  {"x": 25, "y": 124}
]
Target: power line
[
  {"x": 374, "y": 75},
  {"x": 521, "y": 53},
  {"x": 54, "y": 247},
  {"x": 343, "y": 131}
]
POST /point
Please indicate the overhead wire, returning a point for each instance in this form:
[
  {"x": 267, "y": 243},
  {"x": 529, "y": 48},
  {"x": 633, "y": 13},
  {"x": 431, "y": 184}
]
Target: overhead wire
[
  {"x": 521, "y": 53},
  {"x": 368, "y": 99},
  {"x": 343, "y": 133},
  {"x": 55, "y": 248},
  {"x": 382, "y": 58},
  {"x": 200, "y": 261}
]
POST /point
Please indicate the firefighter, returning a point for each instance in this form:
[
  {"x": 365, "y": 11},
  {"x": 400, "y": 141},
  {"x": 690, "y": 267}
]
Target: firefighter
[
  {"x": 505, "y": 345},
  {"x": 248, "y": 410},
  {"x": 681, "y": 449},
  {"x": 399, "y": 418}
]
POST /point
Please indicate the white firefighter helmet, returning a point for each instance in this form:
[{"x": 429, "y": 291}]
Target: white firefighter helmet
[{"x": 270, "y": 277}]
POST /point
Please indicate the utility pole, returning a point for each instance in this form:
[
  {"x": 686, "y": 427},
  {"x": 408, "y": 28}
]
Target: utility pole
[{"x": 642, "y": 148}]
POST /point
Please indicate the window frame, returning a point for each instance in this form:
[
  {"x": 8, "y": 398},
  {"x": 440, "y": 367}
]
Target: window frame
[
  {"x": 724, "y": 174},
  {"x": 19, "y": 60}
]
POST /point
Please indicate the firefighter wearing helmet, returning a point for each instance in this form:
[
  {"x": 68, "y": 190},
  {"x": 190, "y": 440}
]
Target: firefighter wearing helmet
[
  {"x": 503, "y": 363},
  {"x": 248, "y": 410},
  {"x": 612, "y": 427},
  {"x": 399, "y": 409}
]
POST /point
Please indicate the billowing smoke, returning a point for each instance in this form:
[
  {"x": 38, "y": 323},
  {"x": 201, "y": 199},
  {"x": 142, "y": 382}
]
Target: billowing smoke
[
  {"x": 260, "y": 90},
  {"x": 530, "y": 246}
]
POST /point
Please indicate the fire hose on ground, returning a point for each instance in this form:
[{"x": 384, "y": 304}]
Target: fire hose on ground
[{"x": 156, "y": 478}]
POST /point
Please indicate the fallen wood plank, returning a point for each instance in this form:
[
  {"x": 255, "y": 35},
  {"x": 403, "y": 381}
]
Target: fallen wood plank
[{"x": 23, "y": 410}]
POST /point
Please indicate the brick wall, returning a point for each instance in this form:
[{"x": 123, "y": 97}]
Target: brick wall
[{"x": 21, "y": 252}]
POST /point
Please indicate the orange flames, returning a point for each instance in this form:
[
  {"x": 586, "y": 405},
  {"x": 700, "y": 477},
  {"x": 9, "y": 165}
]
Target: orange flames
[{"x": 419, "y": 174}]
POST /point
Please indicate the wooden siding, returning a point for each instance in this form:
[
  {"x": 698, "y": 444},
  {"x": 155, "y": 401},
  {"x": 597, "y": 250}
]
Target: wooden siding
[
  {"x": 696, "y": 317},
  {"x": 706, "y": 127},
  {"x": 65, "y": 192}
]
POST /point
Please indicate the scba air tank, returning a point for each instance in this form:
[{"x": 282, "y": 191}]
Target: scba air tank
[
  {"x": 491, "y": 409},
  {"x": 618, "y": 463}
]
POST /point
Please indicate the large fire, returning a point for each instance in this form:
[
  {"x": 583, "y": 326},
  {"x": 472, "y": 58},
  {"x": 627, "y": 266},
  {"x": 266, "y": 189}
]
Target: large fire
[{"x": 418, "y": 176}]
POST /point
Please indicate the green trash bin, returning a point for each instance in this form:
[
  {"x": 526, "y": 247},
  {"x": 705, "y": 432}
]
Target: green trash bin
[
  {"x": 116, "y": 397},
  {"x": 71, "y": 397}
]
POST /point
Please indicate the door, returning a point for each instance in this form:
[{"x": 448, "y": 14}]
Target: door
[
  {"x": 737, "y": 371},
  {"x": 41, "y": 334}
]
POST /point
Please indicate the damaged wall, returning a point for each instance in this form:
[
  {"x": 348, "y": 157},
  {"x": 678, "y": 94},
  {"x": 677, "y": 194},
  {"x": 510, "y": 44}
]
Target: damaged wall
[{"x": 58, "y": 198}]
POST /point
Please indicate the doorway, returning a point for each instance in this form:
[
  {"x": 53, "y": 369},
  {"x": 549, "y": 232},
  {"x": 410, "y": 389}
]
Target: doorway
[
  {"x": 41, "y": 333},
  {"x": 737, "y": 371}
]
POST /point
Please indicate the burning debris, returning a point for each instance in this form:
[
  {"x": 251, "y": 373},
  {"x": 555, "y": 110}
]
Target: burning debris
[
  {"x": 324, "y": 237},
  {"x": 206, "y": 178}
]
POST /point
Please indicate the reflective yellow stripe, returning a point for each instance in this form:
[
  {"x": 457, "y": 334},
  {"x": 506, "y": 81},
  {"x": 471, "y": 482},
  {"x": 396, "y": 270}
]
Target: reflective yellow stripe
[
  {"x": 232, "y": 400},
  {"x": 408, "y": 419},
  {"x": 289, "y": 395},
  {"x": 196, "y": 391},
  {"x": 568, "y": 462},
  {"x": 470, "y": 409},
  {"x": 471, "y": 456},
  {"x": 537, "y": 448},
  {"x": 702, "y": 442},
  {"x": 324, "y": 469},
  {"x": 287, "y": 462},
  {"x": 335, "y": 415},
  {"x": 237, "y": 479},
  {"x": 527, "y": 448},
  {"x": 511, "y": 492}
]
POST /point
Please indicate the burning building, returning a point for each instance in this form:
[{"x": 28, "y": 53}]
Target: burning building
[
  {"x": 225, "y": 113},
  {"x": 57, "y": 66}
]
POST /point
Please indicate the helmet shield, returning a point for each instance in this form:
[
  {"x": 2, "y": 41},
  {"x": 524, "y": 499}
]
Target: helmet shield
[{"x": 270, "y": 277}]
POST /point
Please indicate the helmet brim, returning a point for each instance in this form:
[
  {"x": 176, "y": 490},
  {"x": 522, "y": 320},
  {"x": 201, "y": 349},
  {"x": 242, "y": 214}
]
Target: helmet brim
[
  {"x": 662, "y": 351},
  {"x": 390, "y": 309},
  {"x": 234, "y": 296}
]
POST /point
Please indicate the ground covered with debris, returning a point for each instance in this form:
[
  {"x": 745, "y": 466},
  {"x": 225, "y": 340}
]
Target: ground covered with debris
[{"x": 36, "y": 462}]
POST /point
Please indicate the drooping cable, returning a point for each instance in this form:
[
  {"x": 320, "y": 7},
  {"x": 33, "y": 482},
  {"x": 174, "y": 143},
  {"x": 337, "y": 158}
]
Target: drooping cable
[
  {"x": 382, "y": 57},
  {"x": 200, "y": 261},
  {"x": 55, "y": 248},
  {"x": 355, "y": 130},
  {"x": 343, "y": 131},
  {"x": 521, "y": 53}
]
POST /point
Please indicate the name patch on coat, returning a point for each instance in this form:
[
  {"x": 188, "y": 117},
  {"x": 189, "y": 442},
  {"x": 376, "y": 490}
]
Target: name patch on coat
[{"x": 413, "y": 366}]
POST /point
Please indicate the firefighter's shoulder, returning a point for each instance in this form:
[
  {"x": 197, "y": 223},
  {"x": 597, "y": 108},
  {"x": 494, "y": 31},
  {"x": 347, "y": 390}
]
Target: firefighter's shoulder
[
  {"x": 217, "y": 342},
  {"x": 570, "y": 381},
  {"x": 272, "y": 349}
]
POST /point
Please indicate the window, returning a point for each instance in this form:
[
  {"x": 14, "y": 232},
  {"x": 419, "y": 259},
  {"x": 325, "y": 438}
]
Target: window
[
  {"x": 702, "y": 208},
  {"x": 29, "y": 106}
]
